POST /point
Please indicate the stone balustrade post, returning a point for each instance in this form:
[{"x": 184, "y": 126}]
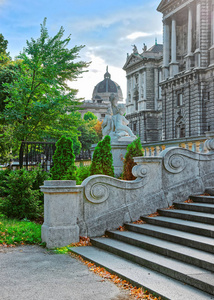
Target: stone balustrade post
[
  {"x": 61, "y": 207},
  {"x": 209, "y": 143}
]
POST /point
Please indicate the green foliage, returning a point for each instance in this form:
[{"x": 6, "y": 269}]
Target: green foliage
[
  {"x": 65, "y": 125},
  {"x": 63, "y": 158},
  {"x": 3, "y": 180},
  {"x": 102, "y": 162},
  {"x": 39, "y": 176},
  {"x": 82, "y": 173},
  {"x": 19, "y": 200},
  {"x": 89, "y": 116},
  {"x": 7, "y": 75},
  {"x": 133, "y": 150},
  {"x": 3, "y": 44},
  {"x": 39, "y": 93},
  {"x": 88, "y": 136},
  {"x": 13, "y": 232}
]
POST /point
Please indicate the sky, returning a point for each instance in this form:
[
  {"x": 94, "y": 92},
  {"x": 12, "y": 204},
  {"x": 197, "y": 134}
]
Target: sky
[{"x": 107, "y": 29}]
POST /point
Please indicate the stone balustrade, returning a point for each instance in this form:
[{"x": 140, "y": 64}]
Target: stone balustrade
[
  {"x": 105, "y": 203},
  {"x": 195, "y": 144}
]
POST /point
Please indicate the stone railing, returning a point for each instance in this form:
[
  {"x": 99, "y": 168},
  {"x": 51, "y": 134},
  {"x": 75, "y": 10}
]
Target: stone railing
[
  {"x": 195, "y": 144},
  {"x": 104, "y": 203}
]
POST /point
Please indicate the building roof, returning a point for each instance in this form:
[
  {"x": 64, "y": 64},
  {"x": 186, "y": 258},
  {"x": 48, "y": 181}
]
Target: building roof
[
  {"x": 156, "y": 48},
  {"x": 106, "y": 87}
]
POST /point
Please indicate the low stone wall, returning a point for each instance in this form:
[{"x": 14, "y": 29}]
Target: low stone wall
[{"x": 104, "y": 203}]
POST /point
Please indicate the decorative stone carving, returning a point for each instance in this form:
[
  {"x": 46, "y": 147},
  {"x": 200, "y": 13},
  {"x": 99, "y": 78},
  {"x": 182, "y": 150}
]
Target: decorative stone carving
[
  {"x": 97, "y": 193},
  {"x": 140, "y": 171},
  {"x": 104, "y": 203},
  {"x": 209, "y": 143},
  {"x": 116, "y": 125}
]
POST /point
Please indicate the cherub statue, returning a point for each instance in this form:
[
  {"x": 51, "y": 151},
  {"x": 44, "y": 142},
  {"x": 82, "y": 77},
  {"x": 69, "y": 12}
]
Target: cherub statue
[
  {"x": 107, "y": 125},
  {"x": 120, "y": 122}
]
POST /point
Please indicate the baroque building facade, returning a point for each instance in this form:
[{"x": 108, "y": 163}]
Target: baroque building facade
[
  {"x": 143, "y": 103},
  {"x": 188, "y": 67},
  {"x": 186, "y": 70}
]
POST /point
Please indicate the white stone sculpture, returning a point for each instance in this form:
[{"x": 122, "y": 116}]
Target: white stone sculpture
[
  {"x": 107, "y": 123},
  {"x": 115, "y": 124}
]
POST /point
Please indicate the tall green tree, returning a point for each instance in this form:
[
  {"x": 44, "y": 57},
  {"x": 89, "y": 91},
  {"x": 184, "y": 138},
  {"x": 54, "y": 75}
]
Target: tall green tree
[
  {"x": 3, "y": 44},
  {"x": 39, "y": 93},
  {"x": 4, "y": 55},
  {"x": 63, "y": 160}
]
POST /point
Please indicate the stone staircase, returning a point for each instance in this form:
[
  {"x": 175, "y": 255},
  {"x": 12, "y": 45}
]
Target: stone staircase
[{"x": 171, "y": 255}]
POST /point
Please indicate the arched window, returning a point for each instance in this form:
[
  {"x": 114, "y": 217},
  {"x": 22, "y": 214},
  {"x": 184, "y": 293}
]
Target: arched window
[{"x": 180, "y": 128}]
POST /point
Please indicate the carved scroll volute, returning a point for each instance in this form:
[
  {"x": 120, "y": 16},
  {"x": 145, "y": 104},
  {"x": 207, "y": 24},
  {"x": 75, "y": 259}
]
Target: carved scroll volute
[
  {"x": 96, "y": 192},
  {"x": 140, "y": 171}
]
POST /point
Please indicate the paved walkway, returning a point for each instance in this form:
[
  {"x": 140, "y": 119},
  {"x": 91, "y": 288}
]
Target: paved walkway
[{"x": 33, "y": 273}]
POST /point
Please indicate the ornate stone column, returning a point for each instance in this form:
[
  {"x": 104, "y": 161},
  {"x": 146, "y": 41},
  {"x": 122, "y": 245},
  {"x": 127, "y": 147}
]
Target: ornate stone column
[
  {"x": 144, "y": 89},
  {"x": 212, "y": 35},
  {"x": 173, "y": 63},
  {"x": 140, "y": 90},
  {"x": 189, "y": 56},
  {"x": 197, "y": 52},
  {"x": 166, "y": 39}
]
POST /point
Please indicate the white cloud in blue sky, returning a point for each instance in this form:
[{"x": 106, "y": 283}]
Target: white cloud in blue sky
[{"x": 106, "y": 28}]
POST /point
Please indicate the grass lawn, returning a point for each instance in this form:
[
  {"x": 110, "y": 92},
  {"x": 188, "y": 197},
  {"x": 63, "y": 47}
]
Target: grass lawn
[{"x": 16, "y": 232}]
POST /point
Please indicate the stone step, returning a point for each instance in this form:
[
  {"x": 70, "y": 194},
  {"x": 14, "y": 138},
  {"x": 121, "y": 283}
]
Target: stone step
[
  {"x": 175, "y": 236},
  {"x": 202, "y": 199},
  {"x": 201, "y": 207},
  {"x": 210, "y": 191},
  {"x": 152, "y": 281},
  {"x": 188, "y": 215},
  {"x": 186, "y": 254},
  {"x": 186, "y": 273},
  {"x": 183, "y": 225}
]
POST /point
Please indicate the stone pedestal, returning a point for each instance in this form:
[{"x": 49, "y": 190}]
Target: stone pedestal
[{"x": 60, "y": 213}]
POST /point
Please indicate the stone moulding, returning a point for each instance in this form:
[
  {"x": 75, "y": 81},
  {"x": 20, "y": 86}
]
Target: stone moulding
[{"x": 104, "y": 203}]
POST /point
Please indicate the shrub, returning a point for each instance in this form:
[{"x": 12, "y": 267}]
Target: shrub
[
  {"x": 39, "y": 177},
  {"x": 102, "y": 162},
  {"x": 3, "y": 180},
  {"x": 133, "y": 150},
  {"x": 82, "y": 173},
  {"x": 64, "y": 158},
  {"x": 20, "y": 200}
]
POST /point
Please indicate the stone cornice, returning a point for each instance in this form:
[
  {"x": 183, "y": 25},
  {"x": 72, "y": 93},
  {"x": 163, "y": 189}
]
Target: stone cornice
[
  {"x": 184, "y": 77},
  {"x": 170, "y": 7}
]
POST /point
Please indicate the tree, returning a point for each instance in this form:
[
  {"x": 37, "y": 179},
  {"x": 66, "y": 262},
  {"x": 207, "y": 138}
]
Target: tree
[
  {"x": 65, "y": 125},
  {"x": 98, "y": 129},
  {"x": 89, "y": 116},
  {"x": 63, "y": 160},
  {"x": 3, "y": 44},
  {"x": 133, "y": 150},
  {"x": 4, "y": 56},
  {"x": 88, "y": 136},
  {"x": 39, "y": 93},
  {"x": 102, "y": 162}
]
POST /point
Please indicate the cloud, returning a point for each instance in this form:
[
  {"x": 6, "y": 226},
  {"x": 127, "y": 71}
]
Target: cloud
[
  {"x": 95, "y": 74},
  {"x": 138, "y": 34}
]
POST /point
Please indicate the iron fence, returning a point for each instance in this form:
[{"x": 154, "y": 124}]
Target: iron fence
[{"x": 35, "y": 153}]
